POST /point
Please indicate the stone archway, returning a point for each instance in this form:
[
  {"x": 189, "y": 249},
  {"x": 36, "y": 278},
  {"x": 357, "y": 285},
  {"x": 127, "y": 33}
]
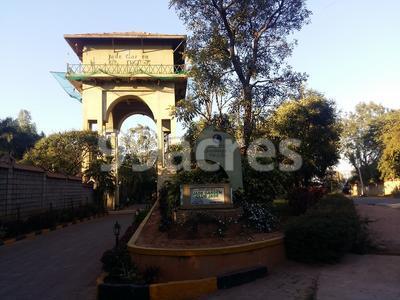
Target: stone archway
[
  {"x": 124, "y": 107},
  {"x": 121, "y": 108}
]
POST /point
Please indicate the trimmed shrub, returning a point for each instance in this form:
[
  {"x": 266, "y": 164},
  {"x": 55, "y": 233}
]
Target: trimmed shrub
[
  {"x": 301, "y": 199},
  {"x": 263, "y": 187},
  {"x": 140, "y": 216},
  {"x": 396, "y": 192},
  {"x": 165, "y": 207},
  {"x": 117, "y": 262},
  {"x": 327, "y": 232},
  {"x": 199, "y": 176}
]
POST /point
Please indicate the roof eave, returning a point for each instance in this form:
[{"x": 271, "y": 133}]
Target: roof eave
[{"x": 71, "y": 38}]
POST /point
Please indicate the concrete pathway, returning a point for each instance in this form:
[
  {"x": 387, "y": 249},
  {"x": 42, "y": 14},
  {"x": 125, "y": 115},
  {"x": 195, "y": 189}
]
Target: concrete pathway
[
  {"x": 358, "y": 277},
  {"x": 384, "y": 226},
  {"x": 368, "y": 277},
  {"x": 290, "y": 281},
  {"x": 62, "y": 264}
]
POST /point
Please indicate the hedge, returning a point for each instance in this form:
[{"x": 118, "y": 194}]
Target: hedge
[{"x": 327, "y": 232}]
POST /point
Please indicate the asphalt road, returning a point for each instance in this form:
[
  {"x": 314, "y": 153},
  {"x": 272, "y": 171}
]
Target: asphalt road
[{"x": 62, "y": 264}]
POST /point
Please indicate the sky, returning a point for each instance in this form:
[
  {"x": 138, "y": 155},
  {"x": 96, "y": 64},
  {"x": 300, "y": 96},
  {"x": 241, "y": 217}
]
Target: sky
[{"x": 350, "y": 50}]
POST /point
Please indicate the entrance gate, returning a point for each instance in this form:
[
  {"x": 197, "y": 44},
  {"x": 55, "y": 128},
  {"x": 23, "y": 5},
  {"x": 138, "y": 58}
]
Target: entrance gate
[{"x": 122, "y": 74}]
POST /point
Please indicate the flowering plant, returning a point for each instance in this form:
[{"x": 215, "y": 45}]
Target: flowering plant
[{"x": 259, "y": 216}]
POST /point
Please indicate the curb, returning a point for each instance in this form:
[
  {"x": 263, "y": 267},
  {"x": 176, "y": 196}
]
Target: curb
[
  {"x": 177, "y": 290},
  {"x": 238, "y": 278},
  {"x": 122, "y": 212},
  {"x": 34, "y": 234},
  {"x": 190, "y": 252}
]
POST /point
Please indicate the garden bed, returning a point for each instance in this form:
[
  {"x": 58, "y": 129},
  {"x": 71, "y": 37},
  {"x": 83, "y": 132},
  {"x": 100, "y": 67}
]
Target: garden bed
[
  {"x": 204, "y": 235},
  {"x": 207, "y": 255}
]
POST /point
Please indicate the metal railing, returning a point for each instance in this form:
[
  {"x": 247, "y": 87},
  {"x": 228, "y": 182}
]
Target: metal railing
[{"x": 130, "y": 70}]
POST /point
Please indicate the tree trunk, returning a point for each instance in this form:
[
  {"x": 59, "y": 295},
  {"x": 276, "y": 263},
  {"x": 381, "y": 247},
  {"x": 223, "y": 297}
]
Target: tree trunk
[{"x": 248, "y": 118}]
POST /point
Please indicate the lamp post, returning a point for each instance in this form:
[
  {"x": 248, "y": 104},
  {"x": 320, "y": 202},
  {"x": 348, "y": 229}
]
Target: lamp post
[{"x": 116, "y": 229}]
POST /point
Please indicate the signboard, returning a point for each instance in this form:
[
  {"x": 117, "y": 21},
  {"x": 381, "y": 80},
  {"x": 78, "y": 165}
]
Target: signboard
[
  {"x": 207, "y": 195},
  {"x": 195, "y": 196},
  {"x": 132, "y": 58}
]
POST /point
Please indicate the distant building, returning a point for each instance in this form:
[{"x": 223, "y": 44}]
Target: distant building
[{"x": 388, "y": 187}]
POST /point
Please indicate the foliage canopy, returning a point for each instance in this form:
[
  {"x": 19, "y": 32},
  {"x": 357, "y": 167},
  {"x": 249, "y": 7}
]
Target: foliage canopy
[
  {"x": 64, "y": 152},
  {"x": 314, "y": 122},
  {"x": 389, "y": 162},
  {"x": 361, "y": 144},
  {"x": 18, "y": 135},
  {"x": 238, "y": 51}
]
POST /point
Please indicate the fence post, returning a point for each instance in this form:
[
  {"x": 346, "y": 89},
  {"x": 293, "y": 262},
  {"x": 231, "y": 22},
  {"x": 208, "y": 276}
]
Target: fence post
[
  {"x": 9, "y": 188},
  {"x": 44, "y": 190},
  {"x": 64, "y": 194}
]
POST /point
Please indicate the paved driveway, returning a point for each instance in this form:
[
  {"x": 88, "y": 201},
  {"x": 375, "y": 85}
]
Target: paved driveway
[
  {"x": 377, "y": 201},
  {"x": 384, "y": 226},
  {"x": 62, "y": 264}
]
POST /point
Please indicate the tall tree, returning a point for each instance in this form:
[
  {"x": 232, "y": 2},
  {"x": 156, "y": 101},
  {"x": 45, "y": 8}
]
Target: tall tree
[
  {"x": 207, "y": 101},
  {"x": 360, "y": 139},
  {"x": 139, "y": 143},
  {"x": 245, "y": 43},
  {"x": 208, "y": 96},
  {"x": 314, "y": 121},
  {"x": 18, "y": 135},
  {"x": 389, "y": 162},
  {"x": 25, "y": 121},
  {"x": 138, "y": 146}
]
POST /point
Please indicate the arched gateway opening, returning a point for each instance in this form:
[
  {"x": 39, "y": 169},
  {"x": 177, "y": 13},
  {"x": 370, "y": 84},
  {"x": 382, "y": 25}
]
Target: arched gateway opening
[
  {"x": 133, "y": 120},
  {"x": 137, "y": 141},
  {"x": 124, "y": 74},
  {"x": 125, "y": 107}
]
